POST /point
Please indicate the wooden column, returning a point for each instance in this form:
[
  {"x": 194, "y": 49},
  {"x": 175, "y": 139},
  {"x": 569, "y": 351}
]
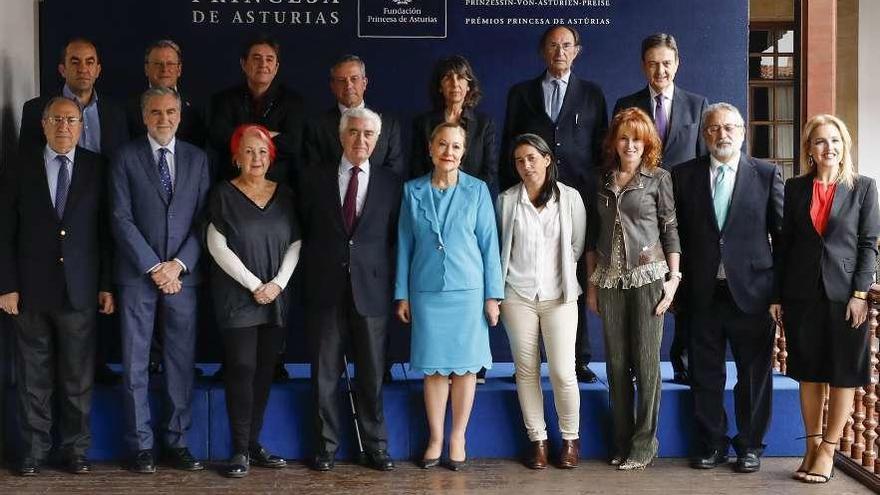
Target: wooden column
[{"x": 818, "y": 56}]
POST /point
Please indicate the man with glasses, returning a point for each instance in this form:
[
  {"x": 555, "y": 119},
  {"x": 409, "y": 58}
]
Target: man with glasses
[
  {"x": 570, "y": 114},
  {"x": 163, "y": 66},
  {"x": 729, "y": 207},
  {"x": 54, "y": 279},
  {"x": 676, "y": 114}
]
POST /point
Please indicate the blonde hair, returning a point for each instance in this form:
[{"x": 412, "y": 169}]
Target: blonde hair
[{"x": 846, "y": 174}]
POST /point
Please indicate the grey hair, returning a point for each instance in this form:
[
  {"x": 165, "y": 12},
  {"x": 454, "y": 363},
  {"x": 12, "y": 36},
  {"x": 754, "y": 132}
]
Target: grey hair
[
  {"x": 163, "y": 44},
  {"x": 155, "y": 92},
  {"x": 59, "y": 99},
  {"x": 360, "y": 113},
  {"x": 346, "y": 59},
  {"x": 717, "y": 107}
]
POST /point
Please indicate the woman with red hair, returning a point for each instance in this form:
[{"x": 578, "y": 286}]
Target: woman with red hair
[
  {"x": 632, "y": 264},
  {"x": 254, "y": 240}
]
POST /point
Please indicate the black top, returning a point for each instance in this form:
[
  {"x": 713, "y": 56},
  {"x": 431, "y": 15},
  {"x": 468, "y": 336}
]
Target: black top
[
  {"x": 480, "y": 155},
  {"x": 260, "y": 238}
]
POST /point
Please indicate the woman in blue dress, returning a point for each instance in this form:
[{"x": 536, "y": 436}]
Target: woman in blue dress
[{"x": 448, "y": 285}]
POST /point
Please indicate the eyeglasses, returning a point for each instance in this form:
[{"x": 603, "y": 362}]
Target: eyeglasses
[
  {"x": 567, "y": 47},
  {"x": 57, "y": 120},
  {"x": 728, "y": 128},
  {"x": 164, "y": 65}
]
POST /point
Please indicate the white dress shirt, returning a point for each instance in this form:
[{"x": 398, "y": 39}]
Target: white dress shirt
[
  {"x": 547, "y": 86},
  {"x": 343, "y": 108},
  {"x": 52, "y": 167},
  {"x": 714, "y": 166},
  {"x": 667, "y": 103},
  {"x": 535, "y": 268},
  {"x": 363, "y": 181},
  {"x": 169, "y": 157}
]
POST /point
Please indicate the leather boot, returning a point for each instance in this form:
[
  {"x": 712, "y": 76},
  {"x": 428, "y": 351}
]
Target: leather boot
[
  {"x": 568, "y": 456},
  {"x": 538, "y": 459}
]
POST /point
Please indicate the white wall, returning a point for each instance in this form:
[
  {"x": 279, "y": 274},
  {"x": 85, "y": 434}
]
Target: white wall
[
  {"x": 18, "y": 67},
  {"x": 869, "y": 88}
]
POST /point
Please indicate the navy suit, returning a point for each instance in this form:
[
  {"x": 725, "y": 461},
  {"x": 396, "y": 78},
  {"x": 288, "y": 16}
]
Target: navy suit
[
  {"x": 734, "y": 309},
  {"x": 149, "y": 228}
]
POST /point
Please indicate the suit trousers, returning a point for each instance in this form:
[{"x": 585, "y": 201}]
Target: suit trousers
[
  {"x": 55, "y": 348},
  {"x": 751, "y": 338},
  {"x": 555, "y": 322},
  {"x": 338, "y": 330},
  {"x": 632, "y": 344},
  {"x": 678, "y": 355},
  {"x": 139, "y": 307}
]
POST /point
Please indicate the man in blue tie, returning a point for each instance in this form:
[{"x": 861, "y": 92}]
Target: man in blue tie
[
  {"x": 159, "y": 185},
  {"x": 729, "y": 207},
  {"x": 54, "y": 279}
]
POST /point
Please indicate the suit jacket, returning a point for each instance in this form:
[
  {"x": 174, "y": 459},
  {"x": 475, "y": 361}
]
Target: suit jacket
[
  {"x": 576, "y": 138},
  {"x": 334, "y": 261},
  {"x": 192, "y": 123},
  {"x": 282, "y": 112},
  {"x": 841, "y": 261},
  {"x": 742, "y": 245},
  {"x": 54, "y": 263},
  {"x": 324, "y": 148},
  {"x": 572, "y": 228},
  {"x": 480, "y": 157},
  {"x": 684, "y": 141},
  {"x": 114, "y": 125},
  {"x": 461, "y": 254},
  {"x": 149, "y": 227}
]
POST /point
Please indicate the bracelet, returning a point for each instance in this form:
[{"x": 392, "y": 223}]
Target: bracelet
[
  {"x": 672, "y": 275},
  {"x": 860, "y": 294}
]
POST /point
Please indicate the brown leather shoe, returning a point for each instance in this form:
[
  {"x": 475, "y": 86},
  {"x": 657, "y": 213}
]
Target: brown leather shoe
[
  {"x": 538, "y": 459},
  {"x": 568, "y": 456}
]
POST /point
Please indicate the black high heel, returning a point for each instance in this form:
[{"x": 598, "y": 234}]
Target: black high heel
[
  {"x": 825, "y": 479},
  {"x": 801, "y": 473}
]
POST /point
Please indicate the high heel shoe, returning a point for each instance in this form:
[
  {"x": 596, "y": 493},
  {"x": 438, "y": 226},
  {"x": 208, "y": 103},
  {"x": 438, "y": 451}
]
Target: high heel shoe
[
  {"x": 456, "y": 465},
  {"x": 801, "y": 472},
  {"x": 429, "y": 463},
  {"x": 822, "y": 477}
]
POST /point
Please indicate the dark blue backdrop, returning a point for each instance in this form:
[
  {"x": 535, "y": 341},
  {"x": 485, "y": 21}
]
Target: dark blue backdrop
[{"x": 712, "y": 37}]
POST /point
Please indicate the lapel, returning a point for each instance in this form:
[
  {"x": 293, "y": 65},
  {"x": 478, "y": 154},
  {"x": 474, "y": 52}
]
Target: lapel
[
  {"x": 372, "y": 186},
  {"x": 536, "y": 98},
  {"x": 678, "y": 104},
  {"x": 42, "y": 182},
  {"x": 643, "y": 102},
  {"x": 425, "y": 201},
  {"x": 329, "y": 177},
  {"x": 463, "y": 196},
  {"x": 703, "y": 177},
  {"x": 78, "y": 180},
  {"x": 572, "y": 97},
  {"x": 150, "y": 167},
  {"x": 182, "y": 170},
  {"x": 745, "y": 174},
  {"x": 841, "y": 197}
]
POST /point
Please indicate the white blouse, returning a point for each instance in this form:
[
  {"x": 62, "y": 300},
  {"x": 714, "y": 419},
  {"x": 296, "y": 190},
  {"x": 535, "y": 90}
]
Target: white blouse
[{"x": 535, "y": 268}]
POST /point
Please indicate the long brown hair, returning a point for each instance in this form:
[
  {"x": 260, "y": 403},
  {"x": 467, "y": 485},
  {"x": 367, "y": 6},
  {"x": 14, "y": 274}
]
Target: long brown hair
[{"x": 637, "y": 122}]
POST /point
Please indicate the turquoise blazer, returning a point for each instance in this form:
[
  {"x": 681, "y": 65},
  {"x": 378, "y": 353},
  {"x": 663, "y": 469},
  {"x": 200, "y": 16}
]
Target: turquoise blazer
[{"x": 463, "y": 256}]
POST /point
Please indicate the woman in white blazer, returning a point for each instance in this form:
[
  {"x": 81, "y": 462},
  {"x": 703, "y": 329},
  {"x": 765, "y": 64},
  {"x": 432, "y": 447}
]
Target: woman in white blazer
[{"x": 543, "y": 226}]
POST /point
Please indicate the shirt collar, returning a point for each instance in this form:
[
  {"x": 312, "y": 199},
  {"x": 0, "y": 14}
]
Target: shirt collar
[
  {"x": 67, "y": 93},
  {"x": 548, "y": 78},
  {"x": 154, "y": 145},
  {"x": 667, "y": 92},
  {"x": 733, "y": 163},
  {"x": 343, "y": 108},
  {"x": 345, "y": 166},
  {"x": 49, "y": 154},
  {"x": 524, "y": 196}
]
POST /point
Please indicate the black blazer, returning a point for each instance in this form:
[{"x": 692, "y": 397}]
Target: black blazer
[
  {"x": 841, "y": 261},
  {"x": 192, "y": 123},
  {"x": 323, "y": 146},
  {"x": 684, "y": 141},
  {"x": 114, "y": 125},
  {"x": 333, "y": 261},
  {"x": 282, "y": 112},
  {"x": 576, "y": 138},
  {"x": 480, "y": 156},
  {"x": 742, "y": 245},
  {"x": 54, "y": 263}
]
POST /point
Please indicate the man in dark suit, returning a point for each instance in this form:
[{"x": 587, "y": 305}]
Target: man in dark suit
[
  {"x": 676, "y": 114},
  {"x": 348, "y": 215},
  {"x": 729, "y": 206},
  {"x": 163, "y": 66},
  {"x": 159, "y": 185},
  {"x": 260, "y": 100},
  {"x": 570, "y": 114},
  {"x": 54, "y": 274},
  {"x": 348, "y": 82}
]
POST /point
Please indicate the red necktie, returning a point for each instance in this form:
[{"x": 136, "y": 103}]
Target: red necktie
[{"x": 349, "y": 205}]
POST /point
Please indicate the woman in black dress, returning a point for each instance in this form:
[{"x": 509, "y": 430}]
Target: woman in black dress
[{"x": 254, "y": 240}]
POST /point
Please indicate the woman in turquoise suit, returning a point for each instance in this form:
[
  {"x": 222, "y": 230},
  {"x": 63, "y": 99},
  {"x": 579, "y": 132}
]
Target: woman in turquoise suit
[{"x": 448, "y": 285}]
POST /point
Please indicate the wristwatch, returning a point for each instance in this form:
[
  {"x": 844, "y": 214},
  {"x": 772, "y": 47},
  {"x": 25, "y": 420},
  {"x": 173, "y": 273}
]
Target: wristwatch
[
  {"x": 672, "y": 275},
  {"x": 860, "y": 294}
]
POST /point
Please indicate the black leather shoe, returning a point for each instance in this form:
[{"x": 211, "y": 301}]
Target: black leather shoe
[
  {"x": 262, "y": 458},
  {"x": 105, "y": 376},
  {"x": 324, "y": 461},
  {"x": 155, "y": 368},
  {"x": 281, "y": 375},
  {"x": 481, "y": 376},
  {"x": 714, "y": 459},
  {"x": 585, "y": 374},
  {"x": 456, "y": 465},
  {"x": 749, "y": 462},
  {"x": 218, "y": 375},
  {"x": 78, "y": 465},
  {"x": 143, "y": 463},
  {"x": 387, "y": 377},
  {"x": 29, "y": 467},
  {"x": 681, "y": 377},
  {"x": 182, "y": 459},
  {"x": 237, "y": 467},
  {"x": 380, "y": 460}
]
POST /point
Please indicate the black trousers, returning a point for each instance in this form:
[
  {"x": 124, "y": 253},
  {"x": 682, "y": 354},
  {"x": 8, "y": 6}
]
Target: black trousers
[
  {"x": 334, "y": 331},
  {"x": 250, "y": 363},
  {"x": 751, "y": 343},
  {"x": 55, "y": 349},
  {"x": 678, "y": 350}
]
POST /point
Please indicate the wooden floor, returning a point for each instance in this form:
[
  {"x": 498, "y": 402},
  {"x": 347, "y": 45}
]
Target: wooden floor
[{"x": 666, "y": 476}]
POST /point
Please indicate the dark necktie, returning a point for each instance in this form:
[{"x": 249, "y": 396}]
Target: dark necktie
[
  {"x": 164, "y": 173},
  {"x": 62, "y": 186},
  {"x": 349, "y": 205},
  {"x": 660, "y": 118},
  {"x": 556, "y": 100}
]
